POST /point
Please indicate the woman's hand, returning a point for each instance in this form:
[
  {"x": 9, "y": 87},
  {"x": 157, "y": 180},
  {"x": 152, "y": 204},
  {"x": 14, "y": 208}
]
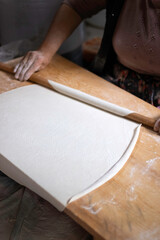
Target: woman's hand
[
  {"x": 32, "y": 62},
  {"x": 157, "y": 126},
  {"x": 64, "y": 23}
]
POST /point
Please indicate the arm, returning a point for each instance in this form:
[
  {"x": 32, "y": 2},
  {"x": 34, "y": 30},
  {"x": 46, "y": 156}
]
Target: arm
[
  {"x": 64, "y": 23},
  {"x": 66, "y": 20}
]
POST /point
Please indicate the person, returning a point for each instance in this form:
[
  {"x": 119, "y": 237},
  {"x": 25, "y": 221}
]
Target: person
[
  {"x": 25, "y": 215},
  {"x": 135, "y": 41},
  {"x": 24, "y": 24}
]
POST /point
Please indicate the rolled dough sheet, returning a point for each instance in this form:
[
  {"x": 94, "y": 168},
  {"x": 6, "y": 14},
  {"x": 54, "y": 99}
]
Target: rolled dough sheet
[
  {"x": 86, "y": 98},
  {"x": 59, "y": 147}
]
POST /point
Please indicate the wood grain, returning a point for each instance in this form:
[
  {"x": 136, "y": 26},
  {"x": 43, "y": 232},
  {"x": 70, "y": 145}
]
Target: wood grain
[{"x": 126, "y": 207}]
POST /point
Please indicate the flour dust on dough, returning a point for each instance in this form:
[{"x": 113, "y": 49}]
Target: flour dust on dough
[{"x": 59, "y": 147}]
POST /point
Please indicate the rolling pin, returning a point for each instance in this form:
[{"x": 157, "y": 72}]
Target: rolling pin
[{"x": 94, "y": 101}]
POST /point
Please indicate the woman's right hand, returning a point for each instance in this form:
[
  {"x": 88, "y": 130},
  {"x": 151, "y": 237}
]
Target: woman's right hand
[
  {"x": 32, "y": 62},
  {"x": 64, "y": 23}
]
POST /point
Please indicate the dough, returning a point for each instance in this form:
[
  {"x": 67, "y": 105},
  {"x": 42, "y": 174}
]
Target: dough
[
  {"x": 59, "y": 147},
  {"x": 86, "y": 98}
]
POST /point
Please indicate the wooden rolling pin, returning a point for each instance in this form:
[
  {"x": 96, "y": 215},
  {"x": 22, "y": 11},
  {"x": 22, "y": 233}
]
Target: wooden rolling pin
[{"x": 44, "y": 82}]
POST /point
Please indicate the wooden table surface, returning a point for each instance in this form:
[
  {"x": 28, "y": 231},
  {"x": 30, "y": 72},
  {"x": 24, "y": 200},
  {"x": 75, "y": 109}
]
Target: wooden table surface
[{"x": 128, "y": 206}]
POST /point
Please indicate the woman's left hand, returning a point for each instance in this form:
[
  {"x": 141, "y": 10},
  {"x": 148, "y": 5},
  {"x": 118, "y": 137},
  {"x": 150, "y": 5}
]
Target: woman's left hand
[{"x": 157, "y": 126}]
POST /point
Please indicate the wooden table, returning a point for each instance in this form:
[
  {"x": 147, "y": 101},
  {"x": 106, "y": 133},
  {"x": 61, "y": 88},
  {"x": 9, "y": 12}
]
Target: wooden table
[{"x": 128, "y": 206}]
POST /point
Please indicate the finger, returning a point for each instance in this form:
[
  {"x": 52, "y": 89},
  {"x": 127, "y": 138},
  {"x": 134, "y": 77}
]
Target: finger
[
  {"x": 33, "y": 68},
  {"x": 16, "y": 67},
  {"x": 157, "y": 126},
  {"x": 20, "y": 67},
  {"x": 25, "y": 68}
]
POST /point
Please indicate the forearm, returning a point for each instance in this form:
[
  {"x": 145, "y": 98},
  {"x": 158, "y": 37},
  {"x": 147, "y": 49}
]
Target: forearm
[{"x": 64, "y": 23}]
